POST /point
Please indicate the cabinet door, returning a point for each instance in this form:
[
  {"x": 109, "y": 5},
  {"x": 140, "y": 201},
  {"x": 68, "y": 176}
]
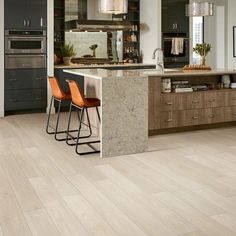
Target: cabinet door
[
  {"x": 173, "y": 102},
  {"x": 213, "y": 115},
  {"x": 232, "y": 98},
  {"x": 15, "y": 14},
  {"x": 154, "y": 103},
  {"x": 230, "y": 113},
  {"x": 25, "y": 99},
  {"x": 193, "y": 117},
  {"x": 174, "y": 18},
  {"x": 169, "y": 119},
  {"x": 210, "y": 99},
  {"x": 195, "y": 100},
  {"x": 25, "y": 14},
  {"x": 37, "y": 15},
  {"x": 26, "y": 79}
]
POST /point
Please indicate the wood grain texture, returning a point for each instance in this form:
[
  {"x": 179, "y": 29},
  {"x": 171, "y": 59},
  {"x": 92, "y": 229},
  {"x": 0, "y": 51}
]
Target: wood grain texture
[{"x": 184, "y": 185}]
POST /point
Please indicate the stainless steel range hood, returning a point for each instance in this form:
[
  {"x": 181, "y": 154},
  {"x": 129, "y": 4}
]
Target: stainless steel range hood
[
  {"x": 97, "y": 25},
  {"x": 91, "y": 19}
]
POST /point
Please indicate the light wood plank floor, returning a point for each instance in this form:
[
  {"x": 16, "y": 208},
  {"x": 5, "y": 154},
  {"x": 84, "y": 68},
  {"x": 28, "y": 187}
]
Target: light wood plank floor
[{"x": 184, "y": 186}]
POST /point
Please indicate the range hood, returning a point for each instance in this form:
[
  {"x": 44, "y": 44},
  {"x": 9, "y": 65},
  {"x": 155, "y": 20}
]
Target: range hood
[
  {"x": 91, "y": 19},
  {"x": 97, "y": 25}
]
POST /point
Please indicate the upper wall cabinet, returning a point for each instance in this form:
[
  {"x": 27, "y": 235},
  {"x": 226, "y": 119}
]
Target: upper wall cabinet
[
  {"x": 173, "y": 16},
  {"x": 25, "y": 14}
]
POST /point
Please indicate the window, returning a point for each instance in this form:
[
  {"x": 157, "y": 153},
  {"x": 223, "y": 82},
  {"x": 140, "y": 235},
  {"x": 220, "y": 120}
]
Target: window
[{"x": 197, "y": 35}]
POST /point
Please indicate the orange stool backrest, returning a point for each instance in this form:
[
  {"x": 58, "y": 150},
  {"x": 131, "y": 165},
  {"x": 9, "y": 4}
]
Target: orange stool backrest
[
  {"x": 57, "y": 91},
  {"x": 77, "y": 95}
]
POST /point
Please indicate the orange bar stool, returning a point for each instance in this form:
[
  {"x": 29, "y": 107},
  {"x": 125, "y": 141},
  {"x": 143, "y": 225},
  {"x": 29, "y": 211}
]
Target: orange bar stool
[
  {"x": 82, "y": 104},
  {"x": 60, "y": 96}
]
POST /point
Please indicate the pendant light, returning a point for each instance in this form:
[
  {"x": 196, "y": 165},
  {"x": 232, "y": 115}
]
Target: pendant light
[
  {"x": 199, "y": 9},
  {"x": 114, "y": 6}
]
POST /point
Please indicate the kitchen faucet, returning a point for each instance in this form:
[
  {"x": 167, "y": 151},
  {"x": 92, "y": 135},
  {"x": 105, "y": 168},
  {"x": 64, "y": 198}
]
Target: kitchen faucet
[{"x": 160, "y": 59}]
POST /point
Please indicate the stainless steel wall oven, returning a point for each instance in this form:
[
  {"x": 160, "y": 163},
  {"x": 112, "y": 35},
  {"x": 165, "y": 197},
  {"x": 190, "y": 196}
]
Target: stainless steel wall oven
[
  {"x": 173, "y": 57},
  {"x": 25, "y": 49}
]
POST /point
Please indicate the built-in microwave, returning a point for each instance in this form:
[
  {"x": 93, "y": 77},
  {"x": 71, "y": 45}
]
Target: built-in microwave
[
  {"x": 168, "y": 40},
  {"x": 25, "y": 42}
]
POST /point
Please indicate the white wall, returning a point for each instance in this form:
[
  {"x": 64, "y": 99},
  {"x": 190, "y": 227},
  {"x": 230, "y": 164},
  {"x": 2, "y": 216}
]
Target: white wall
[
  {"x": 215, "y": 34},
  {"x": 150, "y": 28},
  {"x": 1, "y": 58},
  {"x": 231, "y": 61}
]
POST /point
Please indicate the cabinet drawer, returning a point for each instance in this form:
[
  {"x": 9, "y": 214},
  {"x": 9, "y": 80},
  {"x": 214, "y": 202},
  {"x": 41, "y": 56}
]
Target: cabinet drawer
[
  {"x": 25, "y": 99},
  {"x": 232, "y": 98},
  {"x": 214, "y": 115},
  {"x": 192, "y": 117},
  {"x": 230, "y": 113},
  {"x": 210, "y": 99},
  {"x": 173, "y": 102},
  {"x": 195, "y": 100},
  {"x": 169, "y": 119},
  {"x": 25, "y": 79},
  {"x": 222, "y": 98}
]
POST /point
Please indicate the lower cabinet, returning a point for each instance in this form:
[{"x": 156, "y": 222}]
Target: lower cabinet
[
  {"x": 25, "y": 89},
  {"x": 172, "y": 110}
]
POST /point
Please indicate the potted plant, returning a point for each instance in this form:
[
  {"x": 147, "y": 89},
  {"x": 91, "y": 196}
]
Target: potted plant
[
  {"x": 93, "y": 48},
  {"x": 202, "y": 49},
  {"x": 66, "y": 52}
]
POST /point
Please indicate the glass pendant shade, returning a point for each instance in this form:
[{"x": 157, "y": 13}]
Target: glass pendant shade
[
  {"x": 199, "y": 9},
  {"x": 113, "y": 6}
]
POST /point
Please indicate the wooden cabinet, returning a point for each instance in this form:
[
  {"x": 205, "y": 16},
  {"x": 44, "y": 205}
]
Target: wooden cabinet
[
  {"x": 25, "y": 14},
  {"x": 25, "y": 89},
  {"x": 174, "y": 18},
  {"x": 176, "y": 110}
]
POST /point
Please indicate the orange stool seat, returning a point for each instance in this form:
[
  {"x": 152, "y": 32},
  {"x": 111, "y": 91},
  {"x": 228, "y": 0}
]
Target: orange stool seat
[
  {"x": 58, "y": 95},
  {"x": 82, "y": 104}
]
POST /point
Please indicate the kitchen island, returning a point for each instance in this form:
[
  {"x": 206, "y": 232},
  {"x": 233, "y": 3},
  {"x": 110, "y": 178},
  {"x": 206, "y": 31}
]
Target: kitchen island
[
  {"x": 133, "y": 105},
  {"x": 124, "y": 108}
]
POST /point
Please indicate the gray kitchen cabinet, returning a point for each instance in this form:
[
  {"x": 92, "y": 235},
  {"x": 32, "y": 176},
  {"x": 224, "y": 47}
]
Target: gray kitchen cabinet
[
  {"x": 174, "y": 18},
  {"x": 25, "y": 14},
  {"x": 25, "y": 89}
]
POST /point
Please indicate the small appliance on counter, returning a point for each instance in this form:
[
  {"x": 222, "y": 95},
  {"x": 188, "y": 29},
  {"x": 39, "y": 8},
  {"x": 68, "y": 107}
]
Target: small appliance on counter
[
  {"x": 166, "y": 85},
  {"x": 225, "y": 80},
  {"x": 233, "y": 85}
]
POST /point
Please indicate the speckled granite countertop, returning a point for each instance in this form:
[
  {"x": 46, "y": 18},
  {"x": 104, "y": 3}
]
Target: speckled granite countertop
[
  {"x": 180, "y": 72},
  {"x": 81, "y": 66},
  {"x": 103, "y": 73}
]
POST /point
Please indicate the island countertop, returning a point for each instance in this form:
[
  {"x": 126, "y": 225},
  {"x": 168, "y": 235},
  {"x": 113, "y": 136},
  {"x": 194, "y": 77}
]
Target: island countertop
[
  {"x": 179, "y": 72},
  {"x": 82, "y": 66},
  {"x": 106, "y": 74},
  {"x": 103, "y": 73}
]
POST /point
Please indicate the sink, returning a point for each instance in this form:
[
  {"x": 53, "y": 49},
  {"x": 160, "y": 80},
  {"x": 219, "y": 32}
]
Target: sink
[{"x": 156, "y": 71}]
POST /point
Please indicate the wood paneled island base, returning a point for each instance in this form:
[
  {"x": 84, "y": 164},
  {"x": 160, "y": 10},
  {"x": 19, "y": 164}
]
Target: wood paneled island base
[{"x": 185, "y": 111}]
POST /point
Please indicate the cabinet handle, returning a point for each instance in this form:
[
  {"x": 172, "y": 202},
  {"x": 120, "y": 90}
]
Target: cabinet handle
[
  {"x": 41, "y": 21},
  {"x": 195, "y": 118},
  {"x": 13, "y": 100},
  {"x": 13, "y": 79},
  {"x": 195, "y": 101},
  {"x": 169, "y": 120},
  {"x": 169, "y": 103},
  {"x": 28, "y": 22},
  {"x": 24, "y": 22},
  {"x": 39, "y": 78},
  {"x": 24, "y": 65},
  {"x": 212, "y": 100},
  {"x": 38, "y": 99}
]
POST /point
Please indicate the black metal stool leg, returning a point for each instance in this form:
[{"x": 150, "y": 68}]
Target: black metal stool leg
[
  {"x": 57, "y": 122},
  {"x": 68, "y": 126},
  {"x": 99, "y": 118},
  {"x": 49, "y": 116},
  {"x": 89, "y": 124}
]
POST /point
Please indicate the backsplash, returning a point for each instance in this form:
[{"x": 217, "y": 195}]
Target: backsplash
[{"x": 83, "y": 40}]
